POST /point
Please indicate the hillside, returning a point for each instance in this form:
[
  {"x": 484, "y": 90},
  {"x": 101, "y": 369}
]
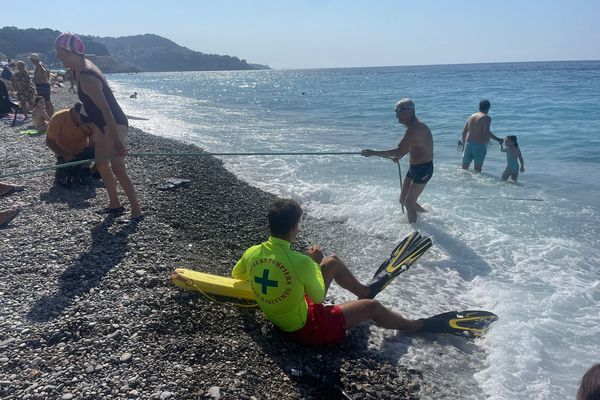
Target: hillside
[
  {"x": 155, "y": 53},
  {"x": 124, "y": 54}
]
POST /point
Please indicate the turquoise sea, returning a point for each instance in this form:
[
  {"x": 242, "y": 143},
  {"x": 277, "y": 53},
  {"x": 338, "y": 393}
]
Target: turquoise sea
[{"x": 528, "y": 252}]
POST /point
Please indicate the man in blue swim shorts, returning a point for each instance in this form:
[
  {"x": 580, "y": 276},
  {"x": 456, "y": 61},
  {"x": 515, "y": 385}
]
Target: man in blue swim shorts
[
  {"x": 476, "y": 136},
  {"x": 418, "y": 142}
]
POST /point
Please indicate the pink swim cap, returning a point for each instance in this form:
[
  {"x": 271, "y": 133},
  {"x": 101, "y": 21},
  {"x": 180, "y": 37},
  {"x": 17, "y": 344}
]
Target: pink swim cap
[{"x": 70, "y": 42}]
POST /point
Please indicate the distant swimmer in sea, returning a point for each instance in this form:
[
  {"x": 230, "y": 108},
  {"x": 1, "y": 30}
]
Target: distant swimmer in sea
[
  {"x": 476, "y": 136},
  {"x": 513, "y": 157},
  {"x": 418, "y": 142},
  {"x": 133, "y": 96}
]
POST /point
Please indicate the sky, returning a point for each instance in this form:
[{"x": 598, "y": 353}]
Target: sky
[{"x": 342, "y": 33}]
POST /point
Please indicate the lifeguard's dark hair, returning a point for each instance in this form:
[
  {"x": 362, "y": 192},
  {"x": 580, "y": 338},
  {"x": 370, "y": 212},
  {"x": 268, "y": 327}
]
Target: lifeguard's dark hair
[
  {"x": 484, "y": 105},
  {"x": 590, "y": 384},
  {"x": 283, "y": 215}
]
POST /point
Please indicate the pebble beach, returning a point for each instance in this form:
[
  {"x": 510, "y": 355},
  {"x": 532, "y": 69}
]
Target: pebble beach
[{"x": 88, "y": 310}]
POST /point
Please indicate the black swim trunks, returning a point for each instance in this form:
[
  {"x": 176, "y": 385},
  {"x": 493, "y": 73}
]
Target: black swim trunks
[
  {"x": 43, "y": 89},
  {"x": 420, "y": 173}
]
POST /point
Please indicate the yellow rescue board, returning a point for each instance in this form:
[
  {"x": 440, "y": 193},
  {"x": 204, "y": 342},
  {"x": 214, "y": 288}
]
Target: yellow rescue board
[{"x": 212, "y": 284}]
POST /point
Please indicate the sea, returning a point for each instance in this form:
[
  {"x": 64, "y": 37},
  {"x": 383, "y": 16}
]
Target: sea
[{"x": 529, "y": 252}]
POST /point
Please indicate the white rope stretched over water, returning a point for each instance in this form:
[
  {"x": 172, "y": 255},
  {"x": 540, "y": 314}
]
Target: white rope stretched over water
[{"x": 73, "y": 163}]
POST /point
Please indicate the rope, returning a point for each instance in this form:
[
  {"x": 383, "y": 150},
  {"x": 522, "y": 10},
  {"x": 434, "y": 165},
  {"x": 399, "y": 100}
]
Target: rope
[
  {"x": 301, "y": 153},
  {"x": 70, "y": 164},
  {"x": 400, "y": 178}
]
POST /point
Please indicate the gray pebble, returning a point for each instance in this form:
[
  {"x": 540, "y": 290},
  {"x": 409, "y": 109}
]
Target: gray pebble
[{"x": 214, "y": 392}]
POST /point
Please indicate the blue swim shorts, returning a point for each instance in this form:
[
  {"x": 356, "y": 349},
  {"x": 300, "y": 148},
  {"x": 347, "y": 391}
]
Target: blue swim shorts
[{"x": 474, "y": 152}]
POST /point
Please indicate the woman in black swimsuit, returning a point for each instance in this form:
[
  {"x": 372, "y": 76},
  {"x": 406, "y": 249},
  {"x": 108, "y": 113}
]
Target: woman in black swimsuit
[{"x": 101, "y": 109}]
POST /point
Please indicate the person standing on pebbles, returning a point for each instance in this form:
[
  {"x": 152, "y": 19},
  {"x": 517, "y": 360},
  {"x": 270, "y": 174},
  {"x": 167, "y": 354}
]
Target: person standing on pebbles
[
  {"x": 101, "y": 109},
  {"x": 24, "y": 87}
]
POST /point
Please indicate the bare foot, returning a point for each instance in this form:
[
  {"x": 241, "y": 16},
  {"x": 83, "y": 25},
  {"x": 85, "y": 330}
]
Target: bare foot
[
  {"x": 5, "y": 189},
  {"x": 420, "y": 209},
  {"x": 6, "y": 216}
]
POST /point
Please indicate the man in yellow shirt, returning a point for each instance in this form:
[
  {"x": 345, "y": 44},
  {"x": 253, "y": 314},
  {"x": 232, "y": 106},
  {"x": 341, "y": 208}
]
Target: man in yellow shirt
[
  {"x": 291, "y": 286},
  {"x": 70, "y": 139}
]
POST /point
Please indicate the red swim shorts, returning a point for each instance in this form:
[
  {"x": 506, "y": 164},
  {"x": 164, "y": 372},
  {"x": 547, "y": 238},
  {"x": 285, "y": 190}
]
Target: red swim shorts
[{"x": 324, "y": 325}]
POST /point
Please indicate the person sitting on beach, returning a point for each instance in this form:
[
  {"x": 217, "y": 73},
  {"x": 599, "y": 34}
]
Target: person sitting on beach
[
  {"x": 23, "y": 86},
  {"x": 70, "y": 140},
  {"x": 39, "y": 117},
  {"x": 41, "y": 80},
  {"x": 589, "y": 389},
  {"x": 108, "y": 119},
  {"x": 418, "y": 142},
  {"x": 513, "y": 153},
  {"x": 290, "y": 286},
  {"x": 476, "y": 135}
]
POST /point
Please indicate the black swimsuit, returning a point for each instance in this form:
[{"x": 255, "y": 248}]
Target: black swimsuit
[
  {"x": 93, "y": 113},
  {"x": 420, "y": 173}
]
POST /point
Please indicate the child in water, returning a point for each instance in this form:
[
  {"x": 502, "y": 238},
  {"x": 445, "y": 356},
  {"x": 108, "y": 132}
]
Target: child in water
[
  {"x": 39, "y": 116},
  {"x": 512, "y": 155}
]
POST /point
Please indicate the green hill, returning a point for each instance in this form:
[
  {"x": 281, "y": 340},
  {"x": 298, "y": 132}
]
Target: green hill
[
  {"x": 123, "y": 54},
  {"x": 155, "y": 53}
]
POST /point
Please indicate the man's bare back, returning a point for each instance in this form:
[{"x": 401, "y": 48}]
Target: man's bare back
[
  {"x": 476, "y": 135},
  {"x": 477, "y": 129},
  {"x": 41, "y": 74}
]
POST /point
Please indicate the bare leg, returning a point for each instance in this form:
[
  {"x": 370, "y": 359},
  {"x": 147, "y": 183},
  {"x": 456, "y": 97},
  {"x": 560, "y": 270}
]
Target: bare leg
[
  {"x": 333, "y": 269},
  {"x": 465, "y": 166},
  {"x": 118, "y": 167},
  {"x": 405, "y": 189},
  {"x": 6, "y": 189},
  {"x": 7, "y": 215},
  {"x": 478, "y": 167},
  {"x": 109, "y": 181},
  {"x": 104, "y": 147},
  {"x": 358, "y": 311},
  {"x": 4, "y": 214},
  {"x": 24, "y": 108},
  {"x": 505, "y": 174},
  {"x": 49, "y": 107},
  {"x": 411, "y": 201}
]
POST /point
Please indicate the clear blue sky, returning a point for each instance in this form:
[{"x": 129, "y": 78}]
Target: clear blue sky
[{"x": 341, "y": 33}]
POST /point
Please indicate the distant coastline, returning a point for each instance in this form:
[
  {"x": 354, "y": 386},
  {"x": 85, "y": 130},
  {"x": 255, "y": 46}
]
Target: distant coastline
[
  {"x": 138, "y": 53},
  {"x": 439, "y": 65}
]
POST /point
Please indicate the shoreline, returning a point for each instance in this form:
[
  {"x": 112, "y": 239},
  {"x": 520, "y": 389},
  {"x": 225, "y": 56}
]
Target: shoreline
[{"x": 88, "y": 310}]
